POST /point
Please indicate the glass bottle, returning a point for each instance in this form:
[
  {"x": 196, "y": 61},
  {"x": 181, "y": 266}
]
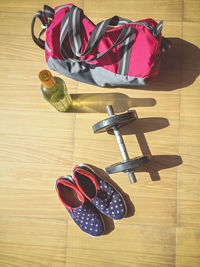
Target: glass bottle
[{"x": 54, "y": 90}]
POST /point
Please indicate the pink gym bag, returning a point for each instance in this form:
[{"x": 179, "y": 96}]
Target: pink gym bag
[{"x": 115, "y": 52}]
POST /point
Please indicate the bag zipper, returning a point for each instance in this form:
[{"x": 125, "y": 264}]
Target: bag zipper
[{"x": 151, "y": 29}]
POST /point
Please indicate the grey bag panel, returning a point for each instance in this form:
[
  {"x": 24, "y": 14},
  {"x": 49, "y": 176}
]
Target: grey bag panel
[{"x": 94, "y": 75}]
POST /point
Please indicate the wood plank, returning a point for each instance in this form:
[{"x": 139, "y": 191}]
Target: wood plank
[
  {"x": 188, "y": 197},
  {"x": 126, "y": 245},
  {"x": 37, "y": 137},
  {"x": 191, "y": 10},
  {"x": 188, "y": 247},
  {"x": 167, "y": 9},
  {"x": 32, "y": 203},
  {"x": 191, "y": 48},
  {"x": 32, "y": 242},
  {"x": 32, "y": 7}
]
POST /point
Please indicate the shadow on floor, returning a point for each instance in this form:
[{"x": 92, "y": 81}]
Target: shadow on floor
[
  {"x": 183, "y": 56},
  {"x": 97, "y": 102},
  {"x": 180, "y": 66},
  {"x": 159, "y": 162}
]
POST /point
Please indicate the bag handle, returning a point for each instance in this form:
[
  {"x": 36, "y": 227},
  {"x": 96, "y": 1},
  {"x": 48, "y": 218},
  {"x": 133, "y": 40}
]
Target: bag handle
[
  {"x": 44, "y": 16},
  {"x": 71, "y": 25}
]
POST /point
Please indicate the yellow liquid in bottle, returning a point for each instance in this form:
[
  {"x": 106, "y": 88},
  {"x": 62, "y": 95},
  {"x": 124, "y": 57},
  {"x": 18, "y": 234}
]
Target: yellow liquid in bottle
[{"x": 57, "y": 95}]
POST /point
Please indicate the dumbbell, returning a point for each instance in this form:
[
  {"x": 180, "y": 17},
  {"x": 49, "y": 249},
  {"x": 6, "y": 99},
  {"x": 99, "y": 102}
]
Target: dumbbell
[{"x": 113, "y": 123}]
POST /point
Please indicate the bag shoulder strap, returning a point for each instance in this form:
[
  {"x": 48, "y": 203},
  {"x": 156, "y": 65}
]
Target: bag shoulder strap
[{"x": 71, "y": 27}]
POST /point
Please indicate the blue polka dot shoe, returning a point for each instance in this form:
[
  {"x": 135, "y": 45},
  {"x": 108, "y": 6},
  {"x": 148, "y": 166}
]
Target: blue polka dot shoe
[
  {"x": 84, "y": 214},
  {"x": 101, "y": 194}
]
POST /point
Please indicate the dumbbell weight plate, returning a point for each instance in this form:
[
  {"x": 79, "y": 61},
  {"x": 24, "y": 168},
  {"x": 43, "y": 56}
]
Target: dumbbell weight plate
[
  {"x": 115, "y": 120},
  {"x": 127, "y": 165}
]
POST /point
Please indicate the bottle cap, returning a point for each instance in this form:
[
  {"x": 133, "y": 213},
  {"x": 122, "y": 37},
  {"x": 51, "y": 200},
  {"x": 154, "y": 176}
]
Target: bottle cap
[{"x": 46, "y": 78}]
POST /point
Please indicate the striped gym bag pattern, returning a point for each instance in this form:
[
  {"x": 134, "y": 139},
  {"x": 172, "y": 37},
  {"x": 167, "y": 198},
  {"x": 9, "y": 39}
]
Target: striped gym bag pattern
[{"x": 115, "y": 53}]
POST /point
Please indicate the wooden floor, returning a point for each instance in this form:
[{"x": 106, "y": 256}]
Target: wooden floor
[{"x": 39, "y": 144}]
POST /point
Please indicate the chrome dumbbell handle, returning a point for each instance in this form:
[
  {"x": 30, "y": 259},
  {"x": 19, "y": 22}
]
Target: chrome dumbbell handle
[{"x": 121, "y": 144}]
